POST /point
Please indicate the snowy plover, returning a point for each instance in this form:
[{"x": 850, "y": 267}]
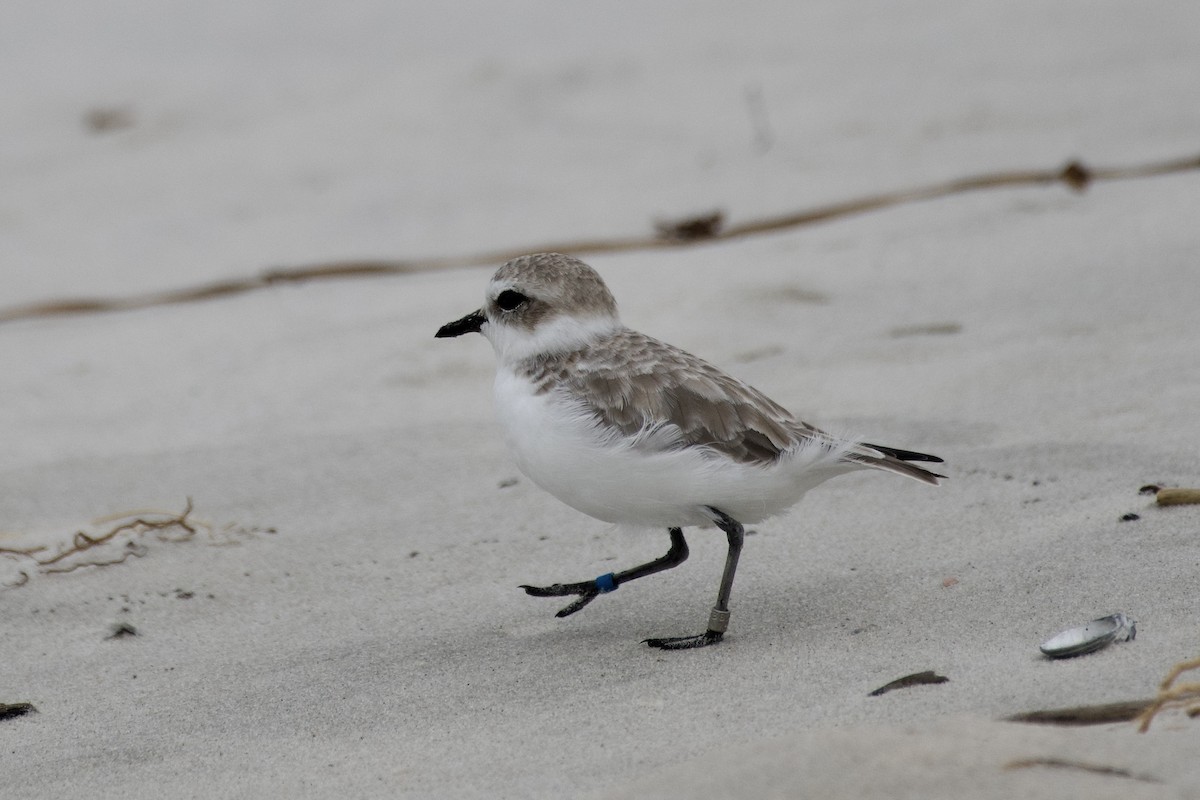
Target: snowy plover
[{"x": 632, "y": 430}]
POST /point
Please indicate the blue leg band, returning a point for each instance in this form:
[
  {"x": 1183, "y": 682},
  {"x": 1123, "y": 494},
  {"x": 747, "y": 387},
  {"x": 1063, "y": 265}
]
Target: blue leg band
[{"x": 606, "y": 583}]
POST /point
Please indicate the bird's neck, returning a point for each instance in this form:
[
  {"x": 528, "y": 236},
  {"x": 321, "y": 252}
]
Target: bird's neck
[{"x": 560, "y": 334}]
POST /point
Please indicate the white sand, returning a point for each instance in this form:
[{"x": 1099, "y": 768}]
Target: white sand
[{"x": 376, "y": 644}]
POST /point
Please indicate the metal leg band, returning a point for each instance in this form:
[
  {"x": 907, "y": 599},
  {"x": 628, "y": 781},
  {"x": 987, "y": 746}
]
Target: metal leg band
[{"x": 718, "y": 621}]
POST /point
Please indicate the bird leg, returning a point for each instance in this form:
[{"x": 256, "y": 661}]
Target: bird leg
[
  {"x": 589, "y": 590},
  {"x": 718, "y": 618}
]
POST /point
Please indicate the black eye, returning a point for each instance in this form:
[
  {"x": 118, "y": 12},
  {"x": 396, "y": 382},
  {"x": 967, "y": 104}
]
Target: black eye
[{"x": 508, "y": 299}]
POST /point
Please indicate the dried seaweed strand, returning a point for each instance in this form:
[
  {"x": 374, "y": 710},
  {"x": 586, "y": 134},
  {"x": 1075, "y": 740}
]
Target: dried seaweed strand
[
  {"x": 1074, "y": 175},
  {"x": 21, "y": 551},
  {"x": 82, "y": 542},
  {"x": 1171, "y": 696}
]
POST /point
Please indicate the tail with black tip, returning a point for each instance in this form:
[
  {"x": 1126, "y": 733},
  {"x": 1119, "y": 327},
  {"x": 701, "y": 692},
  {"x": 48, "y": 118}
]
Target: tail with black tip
[{"x": 893, "y": 459}]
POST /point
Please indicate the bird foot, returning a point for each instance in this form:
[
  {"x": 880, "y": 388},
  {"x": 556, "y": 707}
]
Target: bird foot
[
  {"x": 586, "y": 590},
  {"x": 686, "y": 642}
]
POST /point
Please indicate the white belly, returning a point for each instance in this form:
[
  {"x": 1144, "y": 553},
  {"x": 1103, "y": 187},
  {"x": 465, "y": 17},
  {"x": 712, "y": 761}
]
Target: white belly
[{"x": 619, "y": 480}]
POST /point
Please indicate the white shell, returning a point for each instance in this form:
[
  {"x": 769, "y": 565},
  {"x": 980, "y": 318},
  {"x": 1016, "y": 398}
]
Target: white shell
[{"x": 1096, "y": 635}]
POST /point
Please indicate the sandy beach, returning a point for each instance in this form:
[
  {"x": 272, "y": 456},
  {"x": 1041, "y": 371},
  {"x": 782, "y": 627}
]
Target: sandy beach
[{"x": 338, "y": 613}]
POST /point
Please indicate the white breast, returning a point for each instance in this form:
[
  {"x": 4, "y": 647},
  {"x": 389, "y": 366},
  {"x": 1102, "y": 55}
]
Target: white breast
[{"x": 633, "y": 480}]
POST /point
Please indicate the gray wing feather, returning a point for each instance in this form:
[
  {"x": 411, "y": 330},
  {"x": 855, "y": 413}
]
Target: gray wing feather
[{"x": 635, "y": 383}]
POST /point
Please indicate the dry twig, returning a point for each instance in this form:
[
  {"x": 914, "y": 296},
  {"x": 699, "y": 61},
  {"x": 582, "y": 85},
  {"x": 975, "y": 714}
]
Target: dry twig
[{"x": 1177, "y": 497}]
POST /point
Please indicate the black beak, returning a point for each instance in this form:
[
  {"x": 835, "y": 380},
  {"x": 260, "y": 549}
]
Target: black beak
[{"x": 471, "y": 323}]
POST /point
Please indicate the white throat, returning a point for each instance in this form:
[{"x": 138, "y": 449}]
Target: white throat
[{"x": 562, "y": 333}]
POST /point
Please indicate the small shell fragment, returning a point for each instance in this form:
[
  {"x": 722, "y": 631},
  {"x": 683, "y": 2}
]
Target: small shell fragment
[{"x": 1095, "y": 635}]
